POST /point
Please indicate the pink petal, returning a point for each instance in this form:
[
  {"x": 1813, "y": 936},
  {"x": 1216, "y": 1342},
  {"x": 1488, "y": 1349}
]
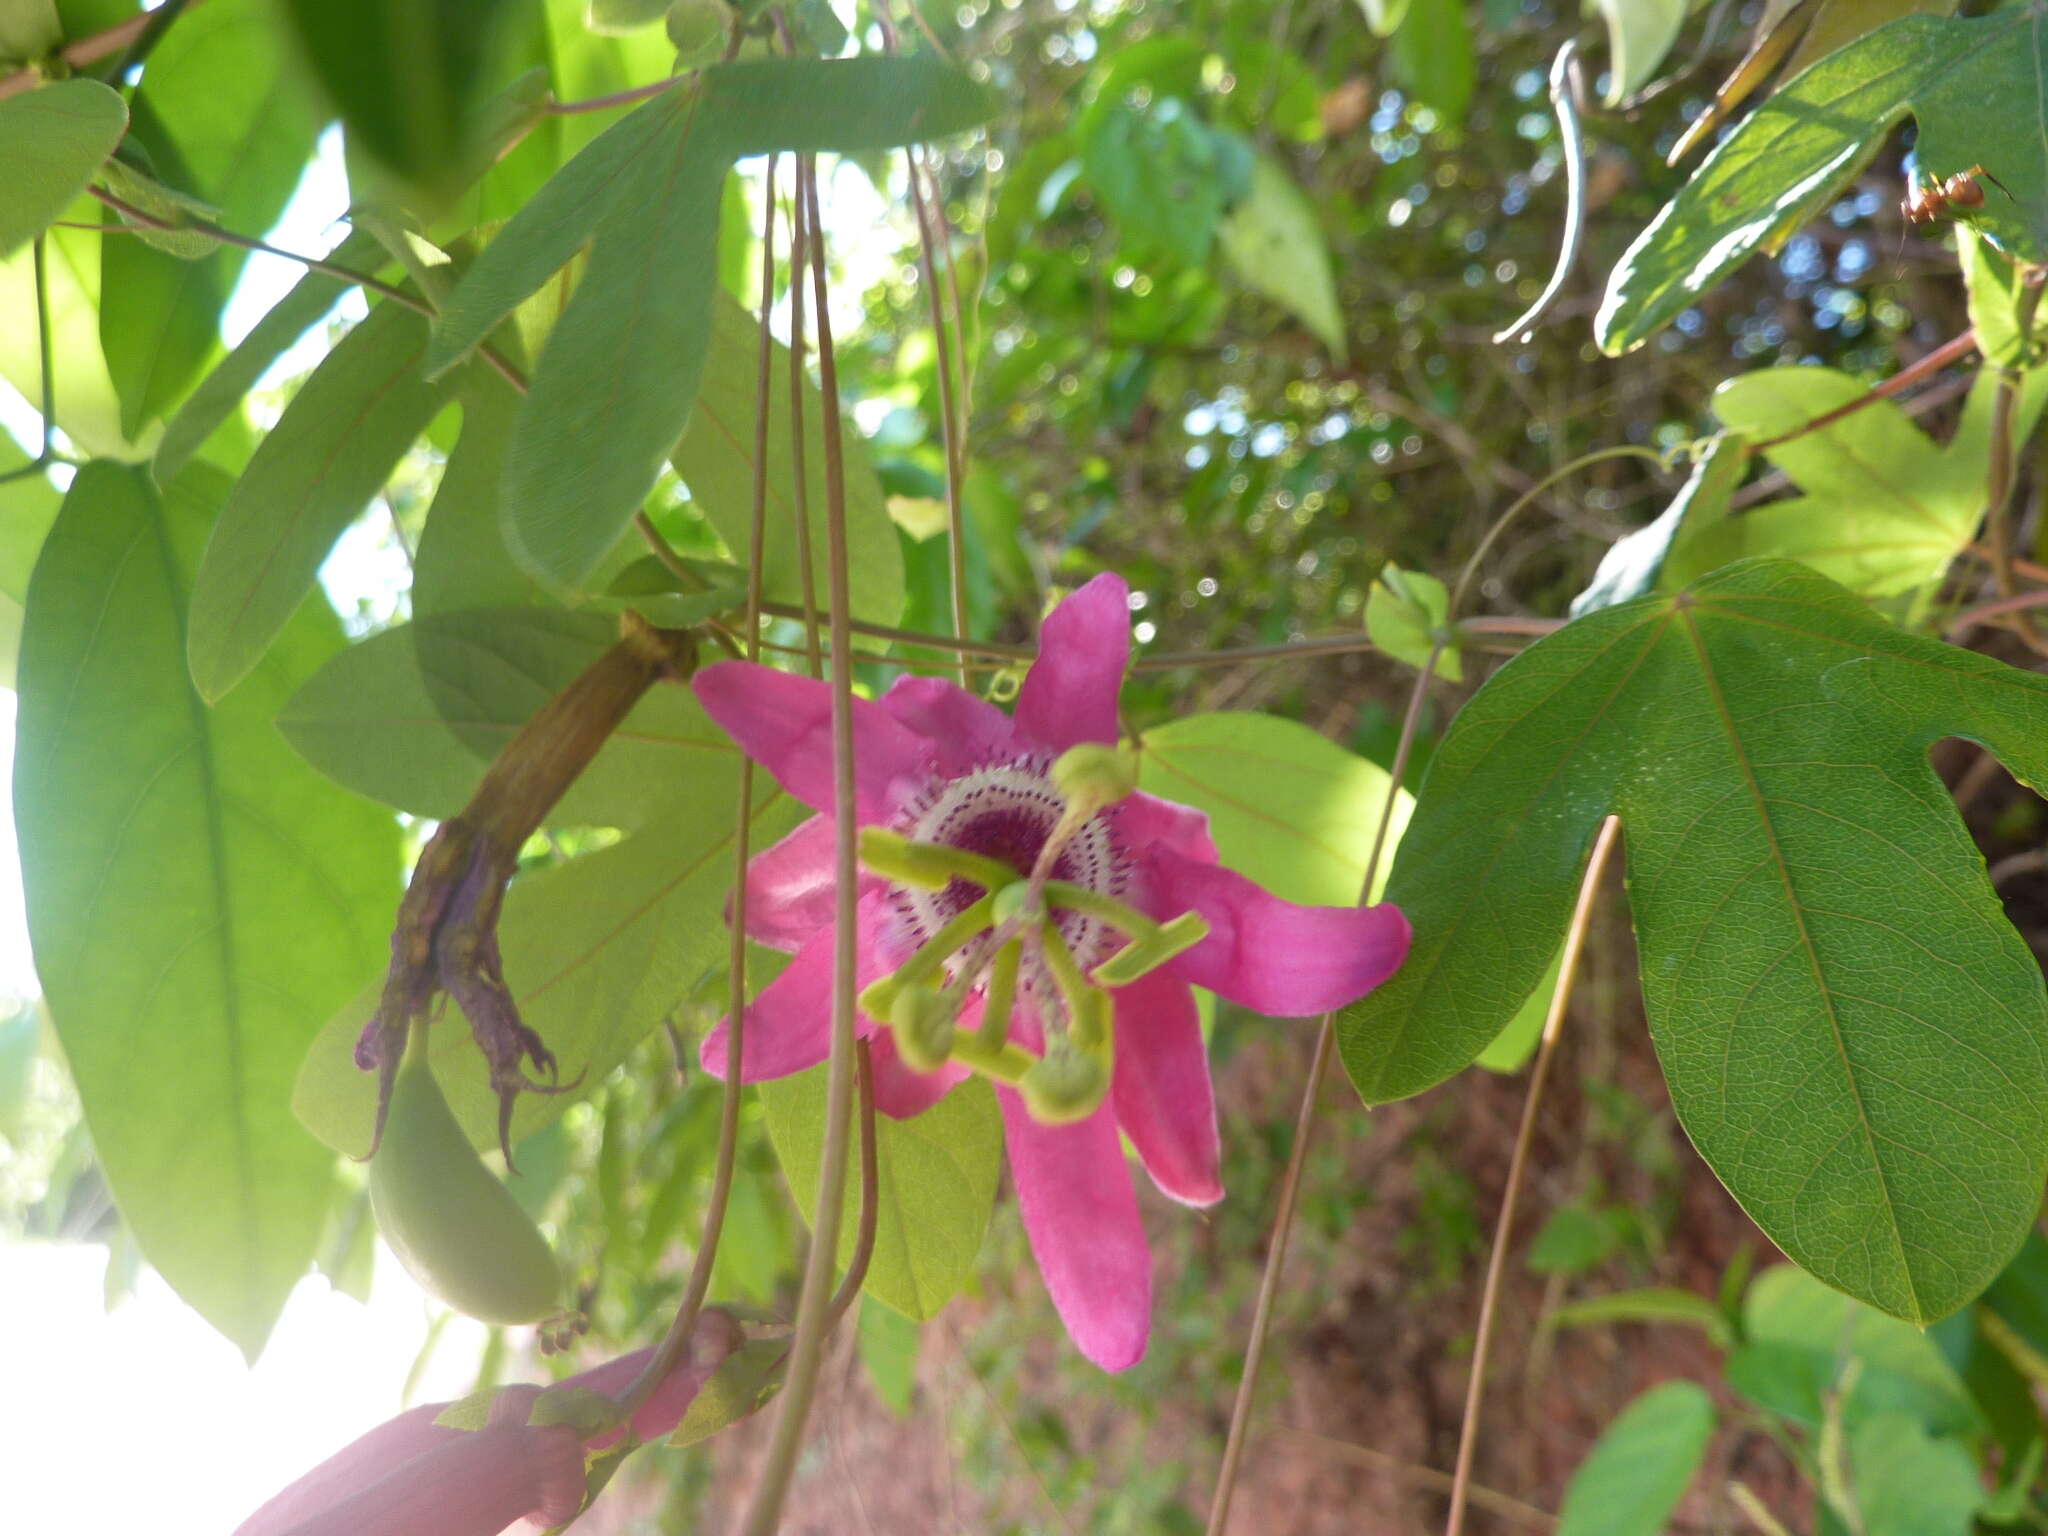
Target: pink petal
[
  {"x": 1070, "y": 693},
  {"x": 717, "y": 1335},
  {"x": 471, "y": 1483},
  {"x": 784, "y": 722},
  {"x": 789, "y": 1024},
  {"x": 1161, "y": 1091},
  {"x": 790, "y": 889},
  {"x": 968, "y": 732},
  {"x": 1271, "y": 955},
  {"x": 1081, "y": 1215},
  {"x": 904, "y": 1094},
  {"x": 1141, "y": 822}
]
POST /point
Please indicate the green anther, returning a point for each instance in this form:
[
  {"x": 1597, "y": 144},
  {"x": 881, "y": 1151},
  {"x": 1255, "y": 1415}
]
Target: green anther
[
  {"x": 1001, "y": 996},
  {"x": 1067, "y": 1084},
  {"x": 1094, "y": 1021},
  {"x": 928, "y": 866},
  {"x": 1147, "y": 952},
  {"x": 923, "y": 1023},
  {"x": 1015, "y": 901},
  {"x": 1066, "y": 974},
  {"x": 999, "y": 1061},
  {"x": 942, "y": 946},
  {"x": 1118, "y": 915},
  {"x": 1094, "y": 775}
]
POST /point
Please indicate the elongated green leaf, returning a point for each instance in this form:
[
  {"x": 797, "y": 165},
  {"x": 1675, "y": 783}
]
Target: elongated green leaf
[
  {"x": 743, "y": 1384},
  {"x": 1972, "y": 85},
  {"x": 28, "y": 506},
  {"x": 221, "y": 392},
  {"x": 1886, "y": 509},
  {"x": 1636, "y": 1473},
  {"x": 553, "y": 226},
  {"x": 51, "y": 142},
  {"x": 1633, "y": 564},
  {"x": 715, "y": 458},
  {"x": 413, "y": 716},
  {"x": 1911, "y": 1483},
  {"x": 1653, "y": 1305},
  {"x": 223, "y": 119},
  {"x": 620, "y": 372},
  {"x": 1433, "y": 56},
  {"x": 937, "y": 1181},
  {"x": 597, "y": 951},
  {"x": 198, "y": 900},
  {"x": 317, "y": 469},
  {"x": 462, "y": 561},
  {"x": 1837, "y": 23},
  {"x": 1852, "y": 1033},
  {"x": 1275, "y": 241},
  {"x": 1639, "y": 34},
  {"x": 876, "y": 101},
  {"x": 1289, "y": 808}
]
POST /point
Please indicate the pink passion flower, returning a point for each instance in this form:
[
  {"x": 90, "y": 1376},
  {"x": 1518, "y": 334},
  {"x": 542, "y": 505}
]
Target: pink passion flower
[{"x": 1025, "y": 915}]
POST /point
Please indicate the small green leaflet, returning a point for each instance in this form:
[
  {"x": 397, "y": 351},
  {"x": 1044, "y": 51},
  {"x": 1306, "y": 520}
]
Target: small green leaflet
[
  {"x": 1852, "y": 1033},
  {"x": 1972, "y": 86},
  {"x": 715, "y": 458},
  {"x": 1164, "y": 174},
  {"x": 1633, "y": 563},
  {"x": 598, "y": 951},
  {"x": 937, "y": 1182},
  {"x": 1433, "y": 56},
  {"x": 1911, "y": 1483},
  {"x": 316, "y": 470},
  {"x": 51, "y": 142},
  {"x": 1639, "y": 34},
  {"x": 199, "y": 901},
  {"x": 1636, "y": 1473},
  {"x": 1406, "y": 613},
  {"x": 1885, "y": 510},
  {"x": 1290, "y": 809},
  {"x": 1275, "y": 242}
]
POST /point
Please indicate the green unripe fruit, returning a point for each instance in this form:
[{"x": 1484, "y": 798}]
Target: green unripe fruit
[
  {"x": 454, "y": 1227},
  {"x": 699, "y": 29}
]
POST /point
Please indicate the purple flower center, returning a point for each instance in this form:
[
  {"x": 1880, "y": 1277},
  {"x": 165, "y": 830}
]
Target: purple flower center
[{"x": 1006, "y": 812}]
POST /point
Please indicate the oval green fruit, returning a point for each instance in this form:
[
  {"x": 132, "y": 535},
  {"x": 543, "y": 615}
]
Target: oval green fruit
[{"x": 455, "y": 1228}]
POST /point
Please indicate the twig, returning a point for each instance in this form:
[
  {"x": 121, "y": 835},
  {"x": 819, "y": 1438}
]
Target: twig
[
  {"x": 2032, "y": 862},
  {"x": 1304, "y": 1124},
  {"x": 616, "y": 99},
  {"x": 814, "y": 1315},
  {"x": 1500, "y": 524},
  {"x": 1518, "y": 1163},
  {"x": 85, "y": 50},
  {"x": 1566, "y": 90},
  {"x": 1963, "y": 624},
  {"x": 146, "y": 40},
  {"x": 1505, "y": 1505},
  {"x": 1953, "y": 350}
]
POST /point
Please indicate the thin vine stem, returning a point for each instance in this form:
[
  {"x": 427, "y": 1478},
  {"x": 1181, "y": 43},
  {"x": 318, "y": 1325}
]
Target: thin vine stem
[
  {"x": 1954, "y": 350},
  {"x": 46, "y": 358},
  {"x": 870, "y": 1187},
  {"x": 1518, "y": 1165},
  {"x": 1500, "y": 524},
  {"x": 1304, "y": 1125},
  {"x": 801, "y": 236},
  {"x": 814, "y": 1305},
  {"x": 699, "y": 1285}
]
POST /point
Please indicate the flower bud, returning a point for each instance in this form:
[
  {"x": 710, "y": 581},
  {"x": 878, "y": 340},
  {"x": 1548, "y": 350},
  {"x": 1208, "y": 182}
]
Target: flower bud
[
  {"x": 1067, "y": 1083},
  {"x": 699, "y": 29}
]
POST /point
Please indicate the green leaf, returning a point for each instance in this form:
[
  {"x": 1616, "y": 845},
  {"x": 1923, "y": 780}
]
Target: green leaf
[
  {"x": 1908, "y": 1482},
  {"x": 462, "y": 561},
  {"x": 316, "y": 470},
  {"x": 403, "y": 75},
  {"x": 1886, "y": 509},
  {"x": 1639, "y": 1469},
  {"x": 199, "y": 901},
  {"x": 1639, "y": 34},
  {"x": 1632, "y": 565},
  {"x": 1291, "y": 809},
  {"x": 845, "y": 106},
  {"x": 743, "y": 1383},
  {"x": 1652, "y": 1305},
  {"x": 715, "y": 458},
  {"x": 28, "y": 506},
  {"x": 1835, "y": 24},
  {"x": 1992, "y": 282},
  {"x": 1433, "y": 56},
  {"x": 88, "y": 410},
  {"x": 937, "y": 1182},
  {"x": 887, "y": 1341},
  {"x": 1275, "y": 241},
  {"x": 1518, "y": 1039},
  {"x": 1405, "y": 614},
  {"x": 220, "y": 394},
  {"x": 1158, "y": 170},
  {"x": 2019, "y": 1296},
  {"x": 51, "y": 142},
  {"x": 598, "y": 951},
  {"x": 1851, "y": 1031},
  {"x": 222, "y": 118},
  {"x": 413, "y": 716},
  {"x": 1800, "y": 1340},
  {"x": 1384, "y": 16},
  {"x": 1973, "y": 86},
  {"x": 1575, "y": 1239}
]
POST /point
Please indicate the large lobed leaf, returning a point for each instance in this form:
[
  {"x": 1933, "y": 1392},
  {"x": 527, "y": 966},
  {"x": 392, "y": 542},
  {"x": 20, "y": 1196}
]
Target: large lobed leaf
[
  {"x": 1852, "y": 1033},
  {"x": 199, "y": 901},
  {"x": 1974, "y": 87}
]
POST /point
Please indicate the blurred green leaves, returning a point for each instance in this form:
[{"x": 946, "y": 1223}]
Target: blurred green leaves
[{"x": 51, "y": 142}]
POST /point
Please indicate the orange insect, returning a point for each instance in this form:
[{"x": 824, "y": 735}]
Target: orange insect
[{"x": 1942, "y": 197}]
